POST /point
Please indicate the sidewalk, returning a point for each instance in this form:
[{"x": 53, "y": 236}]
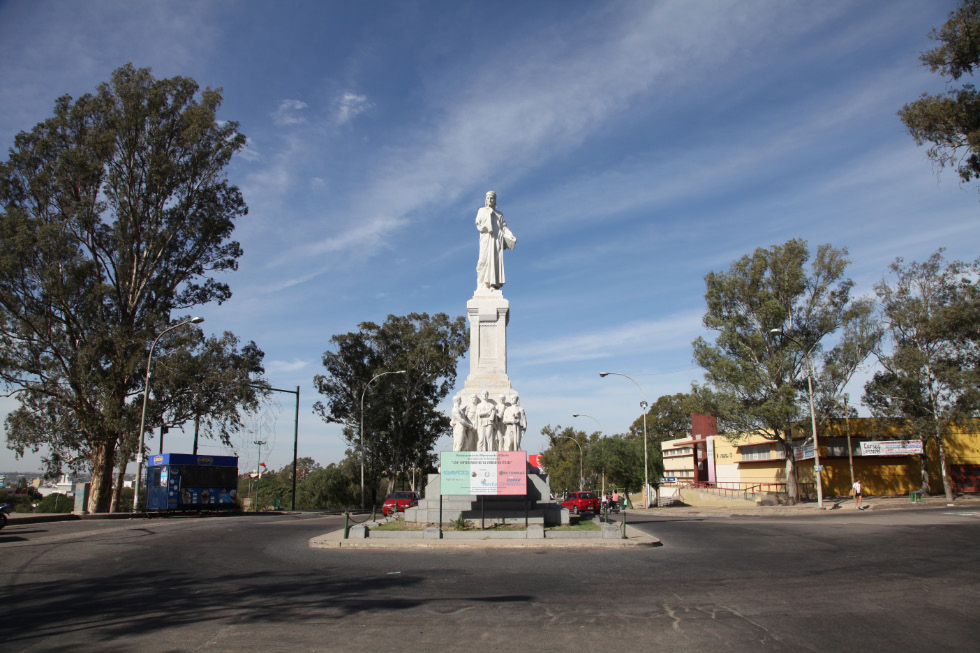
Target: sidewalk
[{"x": 830, "y": 504}]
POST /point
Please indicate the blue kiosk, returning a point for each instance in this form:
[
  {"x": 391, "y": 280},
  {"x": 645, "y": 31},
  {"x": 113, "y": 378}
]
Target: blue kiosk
[{"x": 180, "y": 481}]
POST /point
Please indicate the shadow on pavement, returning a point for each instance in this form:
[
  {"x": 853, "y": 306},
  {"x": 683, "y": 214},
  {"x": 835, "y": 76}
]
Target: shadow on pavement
[{"x": 107, "y": 608}]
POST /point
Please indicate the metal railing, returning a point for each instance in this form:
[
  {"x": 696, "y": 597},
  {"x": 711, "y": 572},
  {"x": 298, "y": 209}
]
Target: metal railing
[{"x": 745, "y": 490}]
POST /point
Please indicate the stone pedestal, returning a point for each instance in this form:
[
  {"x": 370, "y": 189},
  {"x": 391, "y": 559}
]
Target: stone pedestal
[
  {"x": 495, "y": 509},
  {"x": 489, "y": 314}
]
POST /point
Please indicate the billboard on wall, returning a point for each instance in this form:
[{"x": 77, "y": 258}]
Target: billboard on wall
[
  {"x": 484, "y": 472},
  {"x": 891, "y": 447},
  {"x": 803, "y": 451}
]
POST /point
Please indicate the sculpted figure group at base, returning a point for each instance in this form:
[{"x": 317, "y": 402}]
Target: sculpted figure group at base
[{"x": 485, "y": 425}]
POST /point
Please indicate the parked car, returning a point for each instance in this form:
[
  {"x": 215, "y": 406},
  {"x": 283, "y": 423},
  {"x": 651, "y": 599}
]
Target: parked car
[
  {"x": 582, "y": 502},
  {"x": 398, "y": 501}
]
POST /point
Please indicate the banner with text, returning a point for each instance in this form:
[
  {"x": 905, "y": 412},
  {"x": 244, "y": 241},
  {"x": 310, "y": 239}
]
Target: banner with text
[
  {"x": 891, "y": 447},
  {"x": 484, "y": 472}
]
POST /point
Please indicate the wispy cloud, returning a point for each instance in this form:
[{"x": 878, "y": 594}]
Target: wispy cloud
[
  {"x": 349, "y": 106},
  {"x": 633, "y": 338},
  {"x": 496, "y": 128},
  {"x": 294, "y": 365},
  {"x": 290, "y": 113}
]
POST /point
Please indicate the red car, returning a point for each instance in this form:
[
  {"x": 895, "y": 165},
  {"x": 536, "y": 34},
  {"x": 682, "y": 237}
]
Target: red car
[
  {"x": 398, "y": 501},
  {"x": 582, "y": 502}
]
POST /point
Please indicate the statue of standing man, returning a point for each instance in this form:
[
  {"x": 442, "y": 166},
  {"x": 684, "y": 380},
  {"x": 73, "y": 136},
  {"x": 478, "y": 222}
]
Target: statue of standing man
[
  {"x": 515, "y": 423},
  {"x": 495, "y": 237},
  {"x": 486, "y": 424}
]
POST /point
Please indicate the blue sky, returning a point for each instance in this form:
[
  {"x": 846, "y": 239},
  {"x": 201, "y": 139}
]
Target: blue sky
[{"x": 634, "y": 147}]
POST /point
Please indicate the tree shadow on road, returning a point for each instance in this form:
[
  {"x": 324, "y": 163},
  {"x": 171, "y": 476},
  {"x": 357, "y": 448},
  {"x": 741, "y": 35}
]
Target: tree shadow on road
[{"x": 105, "y": 609}]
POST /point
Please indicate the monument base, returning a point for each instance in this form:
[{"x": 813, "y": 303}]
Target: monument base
[{"x": 491, "y": 509}]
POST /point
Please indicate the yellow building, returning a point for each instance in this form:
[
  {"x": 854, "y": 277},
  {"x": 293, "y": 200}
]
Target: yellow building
[{"x": 756, "y": 464}]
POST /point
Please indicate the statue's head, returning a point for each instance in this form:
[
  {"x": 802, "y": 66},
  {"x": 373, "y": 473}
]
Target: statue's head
[
  {"x": 491, "y": 199},
  {"x": 474, "y": 399},
  {"x": 502, "y": 399},
  {"x": 486, "y": 395},
  {"x": 457, "y": 400}
]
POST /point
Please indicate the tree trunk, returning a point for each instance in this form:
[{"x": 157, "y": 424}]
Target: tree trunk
[
  {"x": 942, "y": 469},
  {"x": 117, "y": 487},
  {"x": 390, "y": 482},
  {"x": 924, "y": 469},
  {"x": 102, "y": 466},
  {"x": 792, "y": 484}
]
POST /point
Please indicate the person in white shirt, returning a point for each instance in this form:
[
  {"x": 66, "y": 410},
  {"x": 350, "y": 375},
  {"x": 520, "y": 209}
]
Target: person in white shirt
[{"x": 856, "y": 488}]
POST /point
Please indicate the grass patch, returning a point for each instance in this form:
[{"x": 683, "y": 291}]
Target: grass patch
[{"x": 474, "y": 525}]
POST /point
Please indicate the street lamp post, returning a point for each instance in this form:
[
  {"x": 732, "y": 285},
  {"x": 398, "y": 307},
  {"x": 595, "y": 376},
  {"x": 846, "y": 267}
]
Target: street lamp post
[
  {"x": 813, "y": 412},
  {"x": 258, "y": 468},
  {"x": 646, "y": 466},
  {"x": 295, "y": 432},
  {"x": 600, "y": 435},
  {"x": 361, "y": 431},
  {"x": 581, "y": 460},
  {"x": 146, "y": 394}
]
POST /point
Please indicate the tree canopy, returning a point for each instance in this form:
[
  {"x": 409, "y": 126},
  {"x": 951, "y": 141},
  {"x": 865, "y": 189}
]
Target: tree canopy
[
  {"x": 565, "y": 459},
  {"x": 950, "y": 121},
  {"x": 771, "y": 312},
  {"x": 620, "y": 460},
  {"x": 930, "y": 377},
  {"x": 116, "y": 219},
  {"x": 401, "y": 417}
]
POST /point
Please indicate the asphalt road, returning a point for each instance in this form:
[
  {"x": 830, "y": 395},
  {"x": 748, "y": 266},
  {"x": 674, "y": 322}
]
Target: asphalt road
[{"x": 841, "y": 581}]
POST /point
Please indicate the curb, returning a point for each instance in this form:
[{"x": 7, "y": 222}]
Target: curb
[{"x": 335, "y": 540}]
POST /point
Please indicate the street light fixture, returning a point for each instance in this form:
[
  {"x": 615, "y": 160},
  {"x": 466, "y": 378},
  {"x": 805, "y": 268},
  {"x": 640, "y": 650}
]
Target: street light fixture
[
  {"x": 646, "y": 467},
  {"x": 146, "y": 394},
  {"x": 361, "y": 431},
  {"x": 600, "y": 435},
  {"x": 813, "y": 413}
]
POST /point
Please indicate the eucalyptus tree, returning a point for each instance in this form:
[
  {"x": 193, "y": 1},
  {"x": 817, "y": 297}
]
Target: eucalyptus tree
[
  {"x": 401, "y": 417},
  {"x": 116, "y": 218},
  {"x": 565, "y": 458},
  {"x": 771, "y": 312},
  {"x": 930, "y": 378},
  {"x": 668, "y": 418},
  {"x": 620, "y": 457},
  {"x": 950, "y": 121}
]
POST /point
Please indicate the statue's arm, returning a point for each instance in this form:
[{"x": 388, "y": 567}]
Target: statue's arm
[{"x": 483, "y": 221}]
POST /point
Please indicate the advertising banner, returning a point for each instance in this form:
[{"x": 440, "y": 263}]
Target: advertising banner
[
  {"x": 803, "y": 452},
  {"x": 484, "y": 472},
  {"x": 891, "y": 447}
]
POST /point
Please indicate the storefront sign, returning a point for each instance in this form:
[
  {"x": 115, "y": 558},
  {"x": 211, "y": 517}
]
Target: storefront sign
[
  {"x": 891, "y": 447},
  {"x": 484, "y": 472},
  {"x": 803, "y": 452}
]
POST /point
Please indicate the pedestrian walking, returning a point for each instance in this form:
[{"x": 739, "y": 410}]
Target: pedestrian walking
[{"x": 856, "y": 493}]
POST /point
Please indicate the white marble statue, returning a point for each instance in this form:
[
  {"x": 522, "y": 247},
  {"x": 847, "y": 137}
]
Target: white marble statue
[
  {"x": 461, "y": 425},
  {"x": 500, "y": 431},
  {"x": 486, "y": 424},
  {"x": 472, "y": 413},
  {"x": 515, "y": 423},
  {"x": 495, "y": 237}
]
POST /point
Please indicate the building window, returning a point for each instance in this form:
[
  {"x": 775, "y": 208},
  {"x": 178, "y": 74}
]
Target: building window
[
  {"x": 683, "y": 451},
  {"x": 838, "y": 446},
  {"x": 756, "y": 452}
]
